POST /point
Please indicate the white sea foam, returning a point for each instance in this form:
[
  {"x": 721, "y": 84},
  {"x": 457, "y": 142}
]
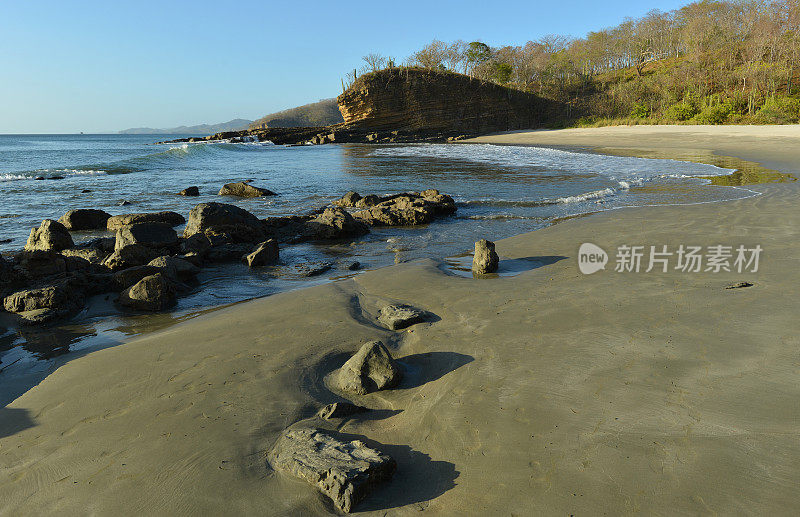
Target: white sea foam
[
  {"x": 618, "y": 168},
  {"x": 597, "y": 194}
]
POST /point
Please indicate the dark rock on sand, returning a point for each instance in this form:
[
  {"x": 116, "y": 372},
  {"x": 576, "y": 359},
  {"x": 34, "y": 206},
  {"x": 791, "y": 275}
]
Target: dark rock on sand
[
  {"x": 340, "y": 410},
  {"x": 151, "y": 293},
  {"x": 400, "y": 316},
  {"x": 169, "y": 218},
  {"x": 372, "y": 368},
  {"x": 346, "y": 472},
  {"x": 228, "y": 222},
  {"x": 49, "y": 236},
  {"x": 739, "y": 285},
  {"x": 242, "y": 189},
  {"x": 265, "y": 253},
  {"x": 335, "y": 223},
  {"x": 190, "y": 192},
  {"x": 152, "y": 235},
  {"x": 485, "y": 259},
  {"x": 85, "y": 219}
]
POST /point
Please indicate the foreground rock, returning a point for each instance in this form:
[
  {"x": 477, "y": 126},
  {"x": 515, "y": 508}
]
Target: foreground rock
[
  {"x": 190, "y": 192},
  {"x": 400, "y": 316},
  {"x": 49, "y": 236},
  {"x": 335, "y": 223},
  {"x": 370, "y": 369},
  {"x": 220, "y": 222},
  {"x": 266, "y": 253},
  {"x": 85, "y": 219},
  {"x": 170, "y": 218},
  {"x": 152, "y": 235},
  {"x": 151, "y": 293},
  {"x": 485, "y": 259},
  {"x": 409, "y": 209},
  {"x": 242, "y": 189},
  {"x": 346, "y": 472},
  {"x": 46, "y": 303},
  {"x": 175, "y": 267}
]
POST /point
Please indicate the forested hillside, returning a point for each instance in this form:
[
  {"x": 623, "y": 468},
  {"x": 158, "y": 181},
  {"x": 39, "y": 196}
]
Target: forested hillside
[
  {"x": 322, "y": 113},
  {"x": 710, "y": 62}
]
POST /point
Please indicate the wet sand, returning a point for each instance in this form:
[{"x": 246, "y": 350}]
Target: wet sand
[{"x": 548, "y": 392}]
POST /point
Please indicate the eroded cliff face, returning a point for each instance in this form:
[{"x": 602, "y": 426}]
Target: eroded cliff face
[{"x": 403, "y": 99}]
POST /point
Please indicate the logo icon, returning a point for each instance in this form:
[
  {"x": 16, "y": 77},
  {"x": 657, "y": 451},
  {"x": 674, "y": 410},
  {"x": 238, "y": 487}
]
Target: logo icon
[{"x": 591, "y": 258}]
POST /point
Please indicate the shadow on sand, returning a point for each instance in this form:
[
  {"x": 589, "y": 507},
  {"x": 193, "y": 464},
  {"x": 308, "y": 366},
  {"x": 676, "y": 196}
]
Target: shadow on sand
[
  {"x": 420, "y": 369},
  {"x": 461, "y": 265},
  {"x": 14, "y": 420}
]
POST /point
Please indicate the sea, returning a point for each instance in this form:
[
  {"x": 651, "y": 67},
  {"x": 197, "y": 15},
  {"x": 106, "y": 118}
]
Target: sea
[{"x": 500, "y": 191}]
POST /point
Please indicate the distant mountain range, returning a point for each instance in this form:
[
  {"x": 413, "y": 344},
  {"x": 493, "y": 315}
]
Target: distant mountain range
[{"x": 201, "y": 129}]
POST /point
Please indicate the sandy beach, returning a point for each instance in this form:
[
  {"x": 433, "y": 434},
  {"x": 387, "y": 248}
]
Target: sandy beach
[{"x": 549, "y": 392}]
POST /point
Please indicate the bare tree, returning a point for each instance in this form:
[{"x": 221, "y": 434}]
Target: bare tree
[{"x": 375, "y": 62}]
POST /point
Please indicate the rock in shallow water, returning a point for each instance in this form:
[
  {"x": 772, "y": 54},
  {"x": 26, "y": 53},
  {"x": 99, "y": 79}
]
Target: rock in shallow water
[
  {"x": 118, "y": 221},
  {"x": 85, "y": 219},
  {"x": 370, "y": 369},
  {"x": 190, "y": 192},
  {"x": 242, "y": 189},
  {"x": 485, "y": 259},
  {"x": 346, "y": 472},
  {"x": 265, "y": 253},
  {"x": 400, "y": 316},
  {"x": 151, "y": 293}
]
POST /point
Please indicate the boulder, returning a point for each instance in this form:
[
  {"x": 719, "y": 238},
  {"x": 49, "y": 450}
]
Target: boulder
[
  {"x": 190, "y": 192},
  {"x": 151, "y": 293},
  {"x": 131, "y": 255},
  {"x": 228, "y": 222},
  {"x": 335, "y": 223},
  {"x": 175, "y": 267},
  {"x": 348, "y": 200},
  {"x": 340, "y": 410},
  {"x": 233, "y": 252},
  {"x": 367, "y": 201},
  {"x": 91, "y": 255},
  {"x": 400, "y": 316},
  {"x": 127, "y": 277},
  {"x": 265, "y": 253},
  {"x": 485, "y": 259},
  {"x": 344, "y": 471},
  {"x": 152, "y": 235},
  {"x": 41, "y": 263},
  {"x": 49, "y": 236},
  {"x": 47, "y": 303},
  {"x": 242, "y": 189},
  {"x": 85, "y": 219},
  {"x": 170, "y": 218},
  {"x": 372, "y": 368}
]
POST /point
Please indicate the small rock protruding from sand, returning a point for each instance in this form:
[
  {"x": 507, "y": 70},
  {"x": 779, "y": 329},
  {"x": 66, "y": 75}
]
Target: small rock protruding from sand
[
  {"x": 340, "y": 410},
  {"x": 190, "y": 192},
  {"x": 49, "y": 236},
  {"x": 370, "y": 369},
  {"x": 346, "y": 472},
  {"x": 485, "y": 259},
  {"x": 265, "y": 253},
  {"x": 242, "y": 189},
  {"x": 400, "y": 316}
]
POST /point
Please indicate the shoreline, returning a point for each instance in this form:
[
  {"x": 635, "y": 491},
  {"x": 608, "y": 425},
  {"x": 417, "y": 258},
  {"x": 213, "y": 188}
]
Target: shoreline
[{"x": 529, "y": 389}]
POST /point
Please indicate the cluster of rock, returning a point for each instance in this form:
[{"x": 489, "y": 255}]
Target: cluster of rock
[
  {"x": 149, "y": 264},
  {"x": 346, "y": 471}
]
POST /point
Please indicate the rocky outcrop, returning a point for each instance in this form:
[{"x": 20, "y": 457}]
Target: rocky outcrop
[
  {"x": 485, "y": 259},
  {"x": 416, "y": 99},
  {"x": 85, "y": 219},
  {"x": 400, "y": 316},
  {"x": 370, "y": 369},
  {"x": 49, "y": 236},
  {"x": 190, "y": 192},
  {"x": 151, "y": 293},
  {"x": 344, "y": 471},
  {"x": 264, "y": 254},
  {"x": 242, "y": 189},
  {"x": 152, "y": 235},
  {"x": 170, "y": 218},
  {"x": 404, "y": 209},
  {"x": 335, "y": 223},
  {"x": 224, "y": 223}
]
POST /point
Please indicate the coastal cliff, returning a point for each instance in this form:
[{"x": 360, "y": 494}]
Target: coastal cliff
[
  {"x": 414, "y": 105},
  {"x": 417, "y": 99}
]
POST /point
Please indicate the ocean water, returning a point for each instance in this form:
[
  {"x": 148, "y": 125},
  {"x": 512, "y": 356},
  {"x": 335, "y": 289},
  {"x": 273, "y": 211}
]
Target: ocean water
[{"x": 500, "y": 191}]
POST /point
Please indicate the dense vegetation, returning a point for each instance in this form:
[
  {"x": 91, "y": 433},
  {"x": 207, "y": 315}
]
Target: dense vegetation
[
  {"x": 710, "y": 62},
  {"x": 322, "y": 113}
]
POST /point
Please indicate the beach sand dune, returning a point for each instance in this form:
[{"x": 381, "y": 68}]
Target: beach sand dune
[{"x": 550, "y": 392}]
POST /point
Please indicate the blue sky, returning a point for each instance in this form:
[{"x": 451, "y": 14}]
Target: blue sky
[{"x": 105, "y": 66}]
